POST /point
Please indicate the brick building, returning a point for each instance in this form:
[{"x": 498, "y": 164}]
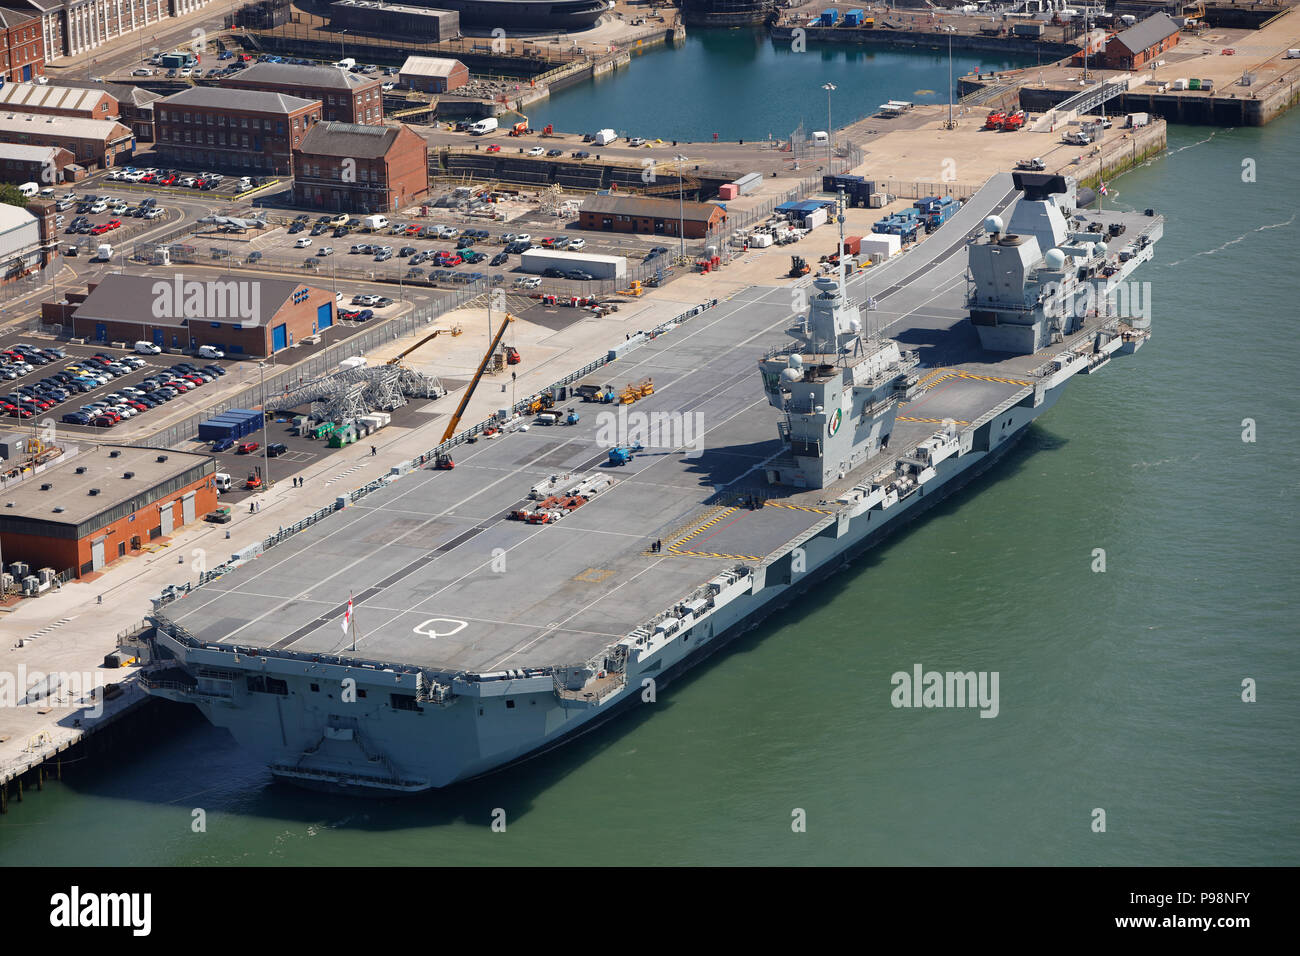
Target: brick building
[
  {"x": 247, "y": 314},
  {"x": 50, "y": 100},
  {"x": 89, "y": 508},
  {"x": 1139, "y": 45},
  {"x": 650, "y": 217},
  {"x": 348, "y": 168},
  {"x": 69, "y": 27},
  {"x": 22, "y": 46},
  {"x": 95, "y": 143},
  {"x": 345, "y": 97},
  {"x": 433, "y": 74},
  {"x": 134, "y": 104},
  {"x": 34, "y": 164},
  {"x": 233, "y": 130}
]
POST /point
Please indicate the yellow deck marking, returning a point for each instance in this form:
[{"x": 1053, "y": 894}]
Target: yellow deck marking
[{"x": 777, "y": 504}]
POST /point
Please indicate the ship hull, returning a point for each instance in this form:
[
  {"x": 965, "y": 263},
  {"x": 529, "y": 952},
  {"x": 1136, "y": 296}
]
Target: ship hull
[{"x": 467, "y": 738}]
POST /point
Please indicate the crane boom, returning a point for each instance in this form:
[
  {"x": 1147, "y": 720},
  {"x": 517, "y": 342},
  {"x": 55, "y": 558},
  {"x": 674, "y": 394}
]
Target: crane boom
[
  {"x": 397, "y": 359},
  {"x": 473, "y": 383}
]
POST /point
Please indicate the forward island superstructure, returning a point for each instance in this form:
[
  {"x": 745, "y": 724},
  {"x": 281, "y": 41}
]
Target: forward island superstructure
[{"x": 479, "y": 640}]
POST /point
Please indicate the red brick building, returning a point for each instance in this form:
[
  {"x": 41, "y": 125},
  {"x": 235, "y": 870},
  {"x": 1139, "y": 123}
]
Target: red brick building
[
  {"x": 650, "y": 217},
  {"x": 1139, "y": 45},
  {"x": 243, "y": 315},
  {"x": 22, "y": 46},
  {"x": 44, "y": 165},
  {"x": 235, "y": 131},
  {"x": 97, "y": 144},
  {"x": 50, "y": 100},
  {"x": 105, "y": 502},
  {"x": 345, "y": 97},
  {"x": 343, "y": 167},
  {"x": 433, "y": 74}
]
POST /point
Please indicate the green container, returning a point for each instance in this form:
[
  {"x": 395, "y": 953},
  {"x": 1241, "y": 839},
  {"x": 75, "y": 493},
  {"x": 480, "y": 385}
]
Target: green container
[{"x": 1193, "y": 84}]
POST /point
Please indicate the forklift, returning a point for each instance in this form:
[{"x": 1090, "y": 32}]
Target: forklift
[{"x": 798, "y": 267}]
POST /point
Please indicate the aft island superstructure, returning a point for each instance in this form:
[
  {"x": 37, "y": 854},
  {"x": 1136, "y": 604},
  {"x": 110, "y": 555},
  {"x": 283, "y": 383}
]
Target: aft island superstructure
[{"x": 478, "y": 640}]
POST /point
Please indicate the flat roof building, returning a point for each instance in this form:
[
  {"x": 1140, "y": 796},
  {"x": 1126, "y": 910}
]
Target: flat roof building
[{"x": 98, "y": 503}]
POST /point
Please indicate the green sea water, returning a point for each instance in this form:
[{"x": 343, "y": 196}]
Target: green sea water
[{"x": 1119, "y": 691}]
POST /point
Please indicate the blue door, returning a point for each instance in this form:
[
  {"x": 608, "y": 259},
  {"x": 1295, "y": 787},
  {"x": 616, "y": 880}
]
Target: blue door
[
  {"x": 158, "y": 337},
  {"x": 27, "y": 74},
  {"x": 324, "y": 317},
  {"x": 101, "y": 332},
  {"x": 279, "y": 337}
]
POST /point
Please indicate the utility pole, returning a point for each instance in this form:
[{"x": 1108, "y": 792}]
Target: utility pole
[
  {"x": 266, "y": 430},
  {"x": 830, "y": 136},
  {"x": 681, "y": 205},
  {"x": 950, "y": 123}
]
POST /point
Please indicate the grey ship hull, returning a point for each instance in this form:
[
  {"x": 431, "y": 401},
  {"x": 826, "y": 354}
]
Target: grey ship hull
[{"x": 260, "y": 650}]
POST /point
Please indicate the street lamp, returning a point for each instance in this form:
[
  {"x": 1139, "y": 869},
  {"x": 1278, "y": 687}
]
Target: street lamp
[
  {"x": 342, "y": 36},
  {"x": 266, "y": 430},
  {"x": 830, "y": 136},
  {"x": 681, "y": 205}
]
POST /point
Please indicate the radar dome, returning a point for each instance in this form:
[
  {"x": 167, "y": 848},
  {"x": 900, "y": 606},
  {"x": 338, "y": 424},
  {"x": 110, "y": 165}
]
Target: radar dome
[
  {"x": 1055, "y": 259},
  {"x": 1101, "y": 249},
  {"x": 994, "y": 224},
  {"x": 791, "y": 374},
  {"x": 795, "y": 360}
]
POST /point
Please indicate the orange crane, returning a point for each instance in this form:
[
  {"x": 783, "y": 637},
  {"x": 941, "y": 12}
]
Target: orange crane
[{"x": 473, "y": 383}]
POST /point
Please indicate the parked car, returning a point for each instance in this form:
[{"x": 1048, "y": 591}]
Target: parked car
[
  {"x": 223, "y": 444},
  {"x": 247, "y": 448}
]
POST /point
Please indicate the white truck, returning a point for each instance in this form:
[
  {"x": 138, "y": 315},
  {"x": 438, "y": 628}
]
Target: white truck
[
  {"x": 374, "y": 223},
  {"x": 604, "y": 137},
  {"x": 483, "y": 126}
]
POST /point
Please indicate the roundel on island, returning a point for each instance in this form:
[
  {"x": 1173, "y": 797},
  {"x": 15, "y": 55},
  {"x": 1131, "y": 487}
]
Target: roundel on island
[{"x": 835, "y": 420}]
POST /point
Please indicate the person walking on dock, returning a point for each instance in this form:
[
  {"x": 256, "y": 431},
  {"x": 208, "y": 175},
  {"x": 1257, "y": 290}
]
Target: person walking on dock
[{"x": 373, "y": 451}]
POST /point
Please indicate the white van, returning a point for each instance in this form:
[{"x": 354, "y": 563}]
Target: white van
[
  {"x": 483, "y": 126},
  {"x": 346, "y": 63},
  {"x": 375, "y": 223},
  {"x": 29, "y": 189},
  {"x": 208, "y": 352},
  {"x": 820, "y": 137},
  {"x": 146, "y": 348},
  {"x": 222, "y": 481},
  {"x": 604, "y": 137}
]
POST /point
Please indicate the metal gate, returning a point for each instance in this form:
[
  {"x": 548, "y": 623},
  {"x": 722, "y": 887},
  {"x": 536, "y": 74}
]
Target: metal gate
[
  {"x": 187, "y": 508},
  {"x": 168, "y": 517},
  {"x": 97, "y": 555}
]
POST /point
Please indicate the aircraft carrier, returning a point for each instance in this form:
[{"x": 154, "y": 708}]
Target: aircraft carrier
[{"x": 478, "y": 639}]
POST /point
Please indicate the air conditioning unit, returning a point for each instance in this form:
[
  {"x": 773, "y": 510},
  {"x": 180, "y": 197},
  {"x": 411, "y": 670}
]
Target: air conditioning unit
[
  {"x": 31, "y": 585},
  {"x": 93, "y": 492},
  {"x": 115, "y": 453},
  {"x": 128, "y": 474},
  {"x": 20, "y": 569}
]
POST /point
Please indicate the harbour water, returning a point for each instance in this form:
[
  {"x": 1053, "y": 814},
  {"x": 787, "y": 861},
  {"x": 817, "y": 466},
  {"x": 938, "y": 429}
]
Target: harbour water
[{"x": 1119, "y": 690}]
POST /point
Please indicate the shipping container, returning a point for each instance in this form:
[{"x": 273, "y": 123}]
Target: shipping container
[
  {"x": 814, "y": 219},
  {"x": 1193, "y": 84},
  {"x": 728, "y": 191},
  {"x": 829, "y": 17},
  {"x": 884, "y": 245},
  {"x": 852, "y": 245}
]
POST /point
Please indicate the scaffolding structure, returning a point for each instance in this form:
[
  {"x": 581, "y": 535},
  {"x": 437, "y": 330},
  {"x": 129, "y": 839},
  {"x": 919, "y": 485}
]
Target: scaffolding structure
[{"x": 351, "y": 393}]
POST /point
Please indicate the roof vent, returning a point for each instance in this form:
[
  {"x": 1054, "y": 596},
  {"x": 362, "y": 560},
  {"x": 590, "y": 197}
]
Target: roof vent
[
  {"x": 161, "y": 459},
  {"x": 46, "y": 487},
  {"x": 128, "y": 474},
  {"x": 115, "y": 453},
  {"x": 81, "y": 469},
  {"x": 58, "y": 509},
  {"x": 94, "y": 491}
]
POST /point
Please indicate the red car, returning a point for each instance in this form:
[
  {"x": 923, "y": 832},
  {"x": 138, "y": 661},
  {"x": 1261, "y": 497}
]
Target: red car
[
  {"x": 104, "y": 421},
  {"x": 494, "y": 148},
  {"x": 114, "y": 224},
  {"x": 199, "y": 183},
  {"x": 167, "y": 180},
  {"x": 247, "y": 448},
  {"x": 148, "y": 178},
  {"x": 448, "y": 259},
  {"x": 19, "y": 412},
  {"x": 548, "y": 241},
  {"x": 100, "y": 229},
  {"x": 411, "y": 230}
]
